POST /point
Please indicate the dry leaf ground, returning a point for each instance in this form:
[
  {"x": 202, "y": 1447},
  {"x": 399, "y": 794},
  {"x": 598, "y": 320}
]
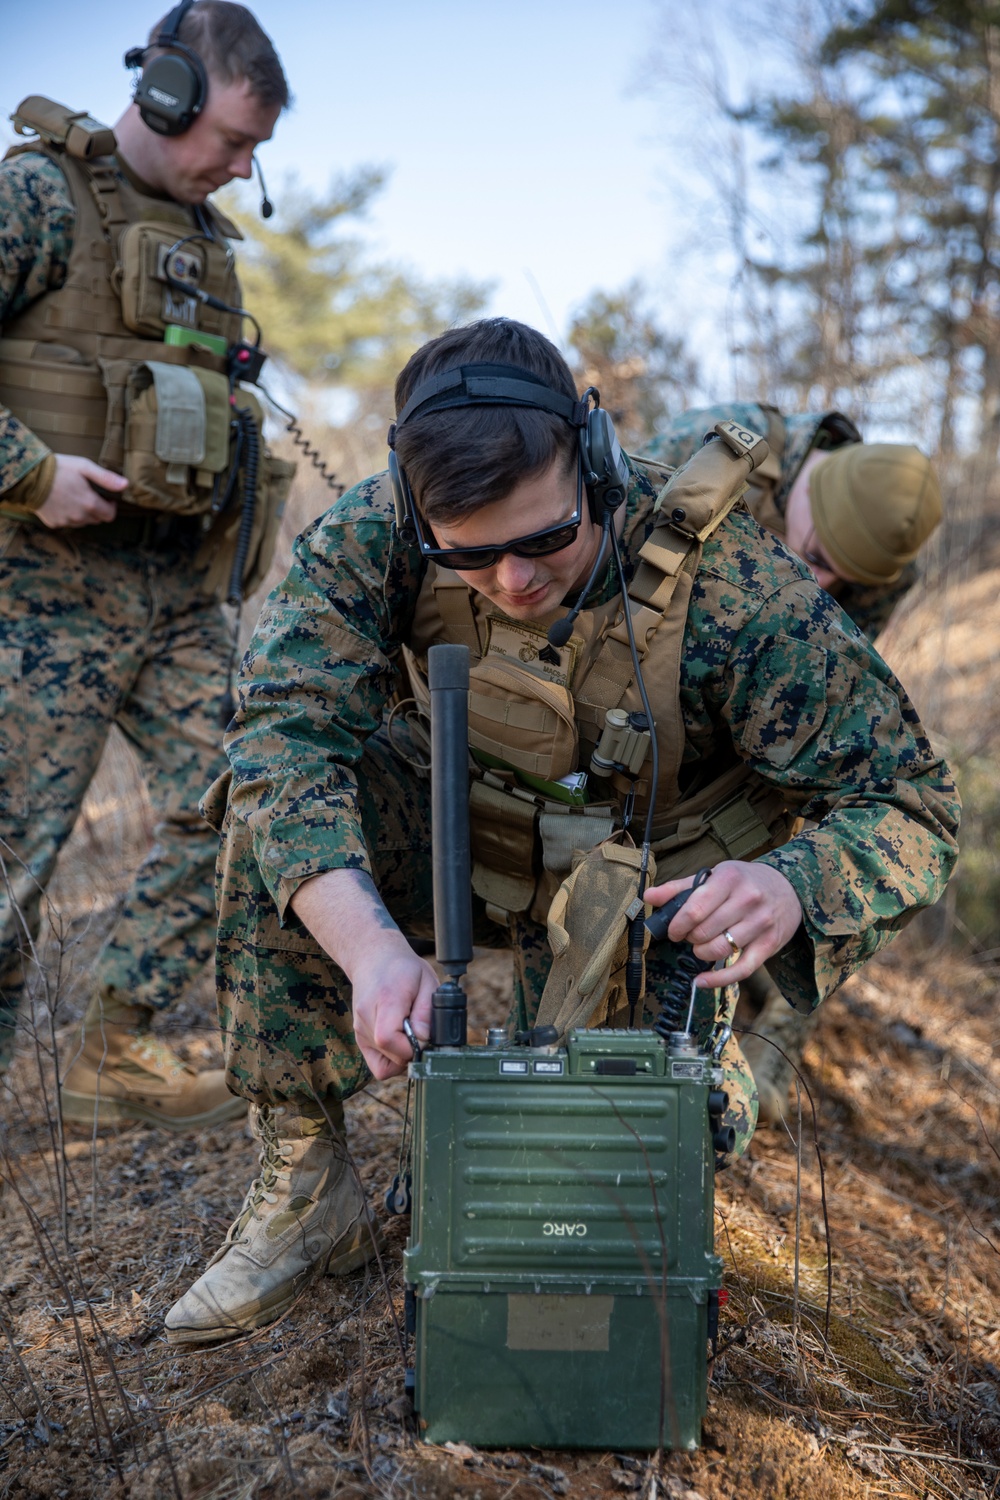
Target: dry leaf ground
[{"x": 874, "y": 1374}]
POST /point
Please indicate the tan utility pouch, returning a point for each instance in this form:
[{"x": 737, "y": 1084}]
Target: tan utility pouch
[
  {"x": 588, "y": 934},
  {"x": 274, "y": 480},
  {"x": 702, "y": 493},
  {"x": 503, "y": 838},
  {"x": 149, "y": 302},
  {"x": 177, "y": 436},
  {"x": 736, "y": 816},
  {"x": 523, "y": 720},
  {"x": 524, "y": 844},
  {"x": 82, "y": 135}
]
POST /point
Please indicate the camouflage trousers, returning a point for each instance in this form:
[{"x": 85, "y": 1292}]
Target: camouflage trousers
[
  {"x": 285, "y": 1007},
  {"x": 93, "y": 634}
]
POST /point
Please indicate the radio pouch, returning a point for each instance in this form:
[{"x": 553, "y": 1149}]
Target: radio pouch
[
  {"x": 176, "y": 436},
  {"x": 274, "y": 480},
  {"x": 588, "y": 934},
  {"x": 525, "y": 720}
]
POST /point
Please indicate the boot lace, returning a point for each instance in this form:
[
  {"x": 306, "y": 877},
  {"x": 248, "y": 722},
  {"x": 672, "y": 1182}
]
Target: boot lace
[{"x": 275, "y": 1167}]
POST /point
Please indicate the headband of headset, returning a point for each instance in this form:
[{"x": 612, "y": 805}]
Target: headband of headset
[
  {"x": 605, "y": 471},
  {"x": 173, "y": 88},
  {"x": 489, "y": 385}
]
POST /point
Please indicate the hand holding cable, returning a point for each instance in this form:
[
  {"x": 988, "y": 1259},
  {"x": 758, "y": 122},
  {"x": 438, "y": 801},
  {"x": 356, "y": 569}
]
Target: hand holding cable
[{"x": 745, "y": 911}]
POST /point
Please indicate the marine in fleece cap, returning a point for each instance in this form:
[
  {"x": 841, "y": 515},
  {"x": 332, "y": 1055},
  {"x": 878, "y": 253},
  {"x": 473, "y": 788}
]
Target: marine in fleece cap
[
  {"x": 856, "y": 513},
  {"x": 862, "y": 513}
]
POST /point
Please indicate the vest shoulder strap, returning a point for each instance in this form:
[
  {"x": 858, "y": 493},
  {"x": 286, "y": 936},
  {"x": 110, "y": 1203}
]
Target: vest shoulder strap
[
  {"x": 94, "y": 188},
  {"x": 222, "y": 222},
  {"x": 69, "y": 130},
  {"x": 454, "y": 604},
  {"x": 776, "y": 434},
  {"x": 104, "y": 190},
  {"x": 689, "y": 508}
]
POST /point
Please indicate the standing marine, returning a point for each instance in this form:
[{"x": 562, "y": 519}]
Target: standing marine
[
  {"x": 507, "y": 521},
  {"x": 135, "y": 493},
  {"x": 857, "y": 514}
]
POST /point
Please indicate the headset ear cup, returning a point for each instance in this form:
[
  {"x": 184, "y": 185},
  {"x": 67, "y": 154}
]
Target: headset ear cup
[
  {"x": 589, "y": 473},
  {"x": 400, "y": 489},
  {"x": 172, "y": 90},
  {"x": 604, "y": 463}
]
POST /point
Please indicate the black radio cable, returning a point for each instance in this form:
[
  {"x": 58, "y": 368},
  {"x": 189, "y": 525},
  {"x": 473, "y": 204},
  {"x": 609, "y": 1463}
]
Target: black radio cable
[
  {"x": 248, "y": 510},
  {"x": 636, "y": 926},
  {"x": 301, "y": 441},
  {"x": 247, "y": 453}
]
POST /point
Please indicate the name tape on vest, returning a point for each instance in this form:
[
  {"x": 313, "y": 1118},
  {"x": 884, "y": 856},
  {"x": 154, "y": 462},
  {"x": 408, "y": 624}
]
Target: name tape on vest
[{"x": 529, "y": 648}]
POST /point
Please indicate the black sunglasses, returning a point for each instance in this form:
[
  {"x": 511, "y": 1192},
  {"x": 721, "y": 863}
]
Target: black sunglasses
[{"x": 535, "y": 544}]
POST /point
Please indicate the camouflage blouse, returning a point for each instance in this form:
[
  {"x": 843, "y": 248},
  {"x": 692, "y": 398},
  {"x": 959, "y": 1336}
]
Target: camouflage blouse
[
  {"x": 36, "y": 235},
  {"x": 773, "y": 673}
]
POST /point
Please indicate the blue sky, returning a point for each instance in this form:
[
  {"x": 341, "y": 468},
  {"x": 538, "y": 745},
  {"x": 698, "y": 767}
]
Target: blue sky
[
  {"x": 527, "y": 145},
  {"x": 523, "y": 148}
]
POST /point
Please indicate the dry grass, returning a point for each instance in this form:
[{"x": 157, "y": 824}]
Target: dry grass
[
  {"x": 899, "y": 1399},
  {"x": 894, "y": 1394}
]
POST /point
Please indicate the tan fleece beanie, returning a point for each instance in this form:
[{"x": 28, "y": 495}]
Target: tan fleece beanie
[{"x": 873, "y": 506}]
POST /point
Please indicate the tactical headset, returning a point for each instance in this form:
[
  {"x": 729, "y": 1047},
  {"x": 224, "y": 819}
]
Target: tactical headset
[
  {"x": 173, "y": 88},
  {"x": 172, "y": 91},
  {"x": 605, "y": 472}
]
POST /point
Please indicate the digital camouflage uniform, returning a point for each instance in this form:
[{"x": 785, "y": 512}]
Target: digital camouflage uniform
[
  {"x": 97, "y": 629},
  {"x": 772, "y": 673},
  {"x": 869, "y": 606},
  {"x": 781, "y": 1034}
]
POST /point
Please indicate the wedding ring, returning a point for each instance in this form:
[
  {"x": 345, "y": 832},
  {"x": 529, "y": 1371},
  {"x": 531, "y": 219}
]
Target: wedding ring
[{"x": 735, "y": 949}]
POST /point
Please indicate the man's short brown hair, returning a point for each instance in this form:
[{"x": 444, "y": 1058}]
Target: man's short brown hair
[
  {"x": 465, "y": 457},
  {"x": 233, "y": 46}
]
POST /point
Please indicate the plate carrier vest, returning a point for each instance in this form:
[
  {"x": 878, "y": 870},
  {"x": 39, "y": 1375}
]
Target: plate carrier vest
[
  {"x": 541, "y": 711},
  {"x": 84, "y": 366}
]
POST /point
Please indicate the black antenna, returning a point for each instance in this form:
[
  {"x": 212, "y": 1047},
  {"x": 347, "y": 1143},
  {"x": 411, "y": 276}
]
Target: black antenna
[{"x": 448, "y": 671}]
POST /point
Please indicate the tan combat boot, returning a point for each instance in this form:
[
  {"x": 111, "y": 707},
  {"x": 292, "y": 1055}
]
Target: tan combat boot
[
  {"x": 780, "y": 1023},
  {"x": 122, "y": 1072},
  {"x": 305, "y": 1215}
]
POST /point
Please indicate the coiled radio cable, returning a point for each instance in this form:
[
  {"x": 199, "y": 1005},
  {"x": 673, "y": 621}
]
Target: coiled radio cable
[{"x": 301, "y": 441}]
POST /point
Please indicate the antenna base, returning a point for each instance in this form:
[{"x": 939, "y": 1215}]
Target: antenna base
[{"x": 448, "y": 1015}]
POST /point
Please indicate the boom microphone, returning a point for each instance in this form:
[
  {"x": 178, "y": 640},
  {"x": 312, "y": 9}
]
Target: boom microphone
[
  {"x": 560, "y": 632},
  {"x": 266, "y": 206}
]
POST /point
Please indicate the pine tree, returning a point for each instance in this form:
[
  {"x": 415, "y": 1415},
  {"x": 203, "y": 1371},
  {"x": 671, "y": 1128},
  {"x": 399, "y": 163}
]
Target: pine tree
[
  {"x": 643, "y": 373},
  {"x": 332, "y": 316}
]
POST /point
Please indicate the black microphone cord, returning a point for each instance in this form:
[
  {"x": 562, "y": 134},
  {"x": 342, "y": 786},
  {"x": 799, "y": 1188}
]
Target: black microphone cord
[
  {"x": 561, "y": 630},
  {"x": 636, "y": 926},
  {"x": 247, "y": 441}
]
